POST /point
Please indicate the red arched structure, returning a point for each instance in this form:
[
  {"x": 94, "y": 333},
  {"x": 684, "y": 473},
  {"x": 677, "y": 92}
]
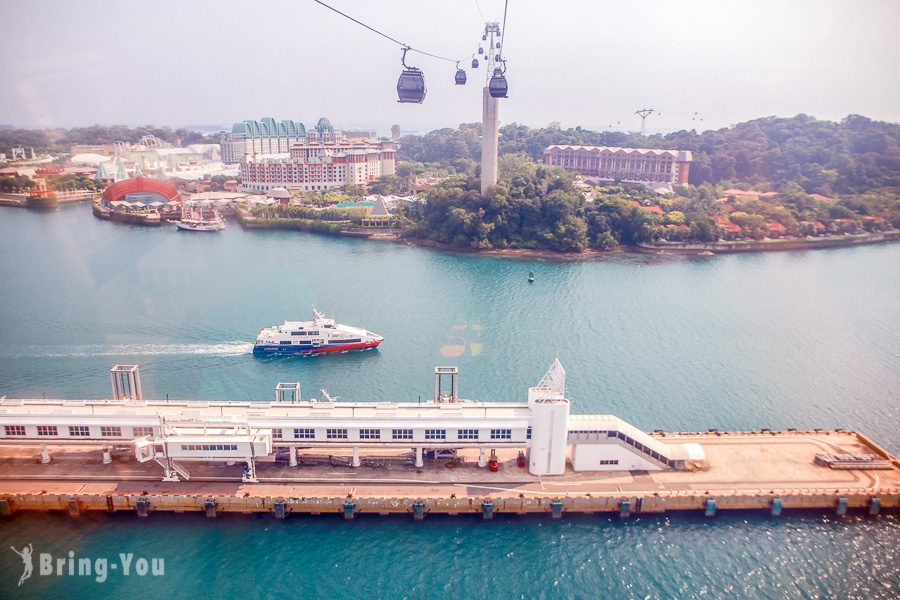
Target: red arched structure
[{"x": 119, "y": 190}]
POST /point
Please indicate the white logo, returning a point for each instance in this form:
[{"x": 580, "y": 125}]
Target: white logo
[
  {"x": 98, "y": 568},
  {"x": 25, "y": 553}
]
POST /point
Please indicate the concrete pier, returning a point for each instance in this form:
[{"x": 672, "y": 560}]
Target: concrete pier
[{"x": 765, "y": 471}]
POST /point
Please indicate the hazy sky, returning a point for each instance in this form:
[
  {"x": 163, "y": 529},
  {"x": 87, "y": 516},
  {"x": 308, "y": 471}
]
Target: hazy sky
[{"x": 593, "y": 62}]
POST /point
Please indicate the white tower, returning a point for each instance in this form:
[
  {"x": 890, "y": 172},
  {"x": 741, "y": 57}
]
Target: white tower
[
  {"x": 549, "y": 423},
  {"x": 490, "y": 114}
]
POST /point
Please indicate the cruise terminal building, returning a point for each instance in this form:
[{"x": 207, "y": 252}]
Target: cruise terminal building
[{"x": 176, "y": 433}]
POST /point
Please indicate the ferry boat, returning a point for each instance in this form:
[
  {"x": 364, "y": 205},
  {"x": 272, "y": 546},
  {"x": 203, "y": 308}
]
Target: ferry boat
[
  {"x": 196, "y": 219},
  {"x": 318, "y": 336}
]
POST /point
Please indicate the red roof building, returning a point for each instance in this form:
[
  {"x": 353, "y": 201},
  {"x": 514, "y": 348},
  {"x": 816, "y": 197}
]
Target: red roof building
[
  {"x": 731, "y": 229},
  {"x": 776, "y": 229},
  {"x": 653, "y": 209},
  {"x": 144, "y": 190},
  {"x": 634, "y": 165}
]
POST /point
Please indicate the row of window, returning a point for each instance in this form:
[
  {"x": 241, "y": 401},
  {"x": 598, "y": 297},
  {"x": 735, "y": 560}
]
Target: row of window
[
  {"x": 607, "y": 461},
  {"x": 396, "y": 434},
  {"x": 278, "y": 434},
  {"x": 207, "y": 447},
  {"x": 77, "y": 431}
]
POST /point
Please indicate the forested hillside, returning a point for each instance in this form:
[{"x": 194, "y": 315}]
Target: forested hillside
[
  {"x": 852, "y": 156},
  {"x": 61, "y": 140}
]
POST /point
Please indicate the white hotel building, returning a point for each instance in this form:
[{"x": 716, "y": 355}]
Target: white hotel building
[
  {"x": 310, "y": 167},
  {"x": 274, "y": 154}
]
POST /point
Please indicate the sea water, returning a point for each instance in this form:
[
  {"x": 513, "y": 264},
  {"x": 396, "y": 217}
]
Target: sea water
[{"x": 778, "y": 340}]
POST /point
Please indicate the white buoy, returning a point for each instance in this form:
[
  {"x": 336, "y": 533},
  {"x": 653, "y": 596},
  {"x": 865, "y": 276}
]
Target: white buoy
[
  {"x": 356, "y": 462},
  {"x": 45, "y": 455},
  {"x": 107, "y": 456},
  {"x": 482, "y": 460},
  {"x": 292, "y": 458}
]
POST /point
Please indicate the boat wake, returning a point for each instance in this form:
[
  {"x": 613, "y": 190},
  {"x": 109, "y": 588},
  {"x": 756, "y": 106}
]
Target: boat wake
[{"x": 221, "y": 349}]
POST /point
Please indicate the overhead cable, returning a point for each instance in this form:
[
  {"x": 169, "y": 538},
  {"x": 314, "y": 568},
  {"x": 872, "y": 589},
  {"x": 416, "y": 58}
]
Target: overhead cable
[{"x": 384, "y": 35}]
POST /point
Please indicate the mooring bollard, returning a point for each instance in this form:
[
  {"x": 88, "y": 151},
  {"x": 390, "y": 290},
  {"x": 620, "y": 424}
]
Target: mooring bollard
[
  {"x": 73, "y": 508},
  {"x": 110, "y": 505},
  {"x": 624, "y": 509},
  {"x": 210, "y": 507},
  {"x": 875, "y": 507},
  {"x": 487, "y": 510},
  {"x": 776, "y": 507},
  {"x": 142, "y": 507},
  {"x": 279, "y": 510},
  {"x": 710, "y": 507},
  {"x": 349, "y": 510},
  {"x": 4, "y": 508},
  {"x": 842, "y": 506},
  {"x": 556, "y": 509},
  {"x": 418, "y": 510}
]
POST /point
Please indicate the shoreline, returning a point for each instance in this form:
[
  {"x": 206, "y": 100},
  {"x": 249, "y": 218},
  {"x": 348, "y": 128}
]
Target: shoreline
[
  {"x": 671, "y": 248},
  {"x": 339, "y": 229},
  {"x": 777, "y": 245}
]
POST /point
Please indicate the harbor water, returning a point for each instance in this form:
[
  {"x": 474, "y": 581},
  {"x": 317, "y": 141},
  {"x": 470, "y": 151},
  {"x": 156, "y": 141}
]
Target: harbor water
[{"x": 778, "y": 340}]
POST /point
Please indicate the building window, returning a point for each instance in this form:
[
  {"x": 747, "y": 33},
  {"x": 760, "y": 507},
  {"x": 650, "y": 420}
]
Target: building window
[
  {"x": 528, "y": 433},
  {"x": 467, "y": 434},
  {"x": 501, "y": 434},
  {"x": 336, "y": 434},
  {"x": 208, "y": 447},
  {"x": 402, "y": 434},
  {"x": 435, "y": 434},
  {"x": 609, "y": 462},
  {"x": 277, "y": 434},
  {"x": 370, "y": 434},
  {"x": 47, "y": 430},
  {"x": 142, "y": 431},
  {"x": 304, "y": 434},
  {"x": 111, "y": 431},
  {"x": 15, "y": 429},
  {"x": 79, "y": 430}
]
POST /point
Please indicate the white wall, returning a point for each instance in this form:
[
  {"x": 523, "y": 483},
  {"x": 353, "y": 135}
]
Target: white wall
[
  {"x": 587, "y": 457},
  {"x": 549, "y": 433}
]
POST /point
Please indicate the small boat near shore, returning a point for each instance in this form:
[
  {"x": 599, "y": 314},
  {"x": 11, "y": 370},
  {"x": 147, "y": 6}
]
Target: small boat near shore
[
  {"x": 200, "y": 218},
  {"x": 318, "y": 336}
]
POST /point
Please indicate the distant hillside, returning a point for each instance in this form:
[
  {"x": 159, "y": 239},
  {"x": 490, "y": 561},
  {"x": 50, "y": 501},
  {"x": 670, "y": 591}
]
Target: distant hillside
[
  {"x": 61, "y": 140},
  {"x": 852, "y": 156}
]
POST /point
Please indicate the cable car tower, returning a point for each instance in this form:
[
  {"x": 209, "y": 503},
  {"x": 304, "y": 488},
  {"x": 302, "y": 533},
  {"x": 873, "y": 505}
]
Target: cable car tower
[
  {"x": 643, "y": 114},
  {"x": 490, "y": 116}
]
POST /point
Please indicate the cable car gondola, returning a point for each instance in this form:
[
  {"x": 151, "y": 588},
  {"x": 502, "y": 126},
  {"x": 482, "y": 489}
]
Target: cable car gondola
[
  {"x": 480, "y": 50},
  {"x": 474, "y": 62},
  {"x": 498, "y": 86},
  {"x": 411, "y": 85},
  {"x": 460, "y": 77}
]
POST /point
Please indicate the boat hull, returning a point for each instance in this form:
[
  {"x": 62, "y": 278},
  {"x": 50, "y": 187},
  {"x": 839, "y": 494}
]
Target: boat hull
[
  {"x": 204, "y": 227},
  {"x": 295, "y": 349}
]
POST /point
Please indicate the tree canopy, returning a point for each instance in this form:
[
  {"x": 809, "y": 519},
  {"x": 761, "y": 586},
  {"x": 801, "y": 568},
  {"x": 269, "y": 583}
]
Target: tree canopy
[{"x": 852, "y": 156}]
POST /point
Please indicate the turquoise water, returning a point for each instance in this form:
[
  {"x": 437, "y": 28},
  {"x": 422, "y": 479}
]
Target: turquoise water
[
  {"x": 353, "y": 204},
  {"x": 800, "y": 339}
]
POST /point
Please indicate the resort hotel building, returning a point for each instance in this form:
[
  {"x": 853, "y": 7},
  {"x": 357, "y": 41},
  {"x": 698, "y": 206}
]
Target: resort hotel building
[
  {"x": 629, "y": 165},
  {"x": 285, "y": 155}
]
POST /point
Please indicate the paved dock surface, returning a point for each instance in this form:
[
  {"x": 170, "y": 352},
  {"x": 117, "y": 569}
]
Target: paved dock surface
[{"x": 743, "y": 471}]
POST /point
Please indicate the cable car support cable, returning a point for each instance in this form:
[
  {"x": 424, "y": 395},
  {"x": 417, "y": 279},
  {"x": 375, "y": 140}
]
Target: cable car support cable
[{"x": 384, "y": 35}]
